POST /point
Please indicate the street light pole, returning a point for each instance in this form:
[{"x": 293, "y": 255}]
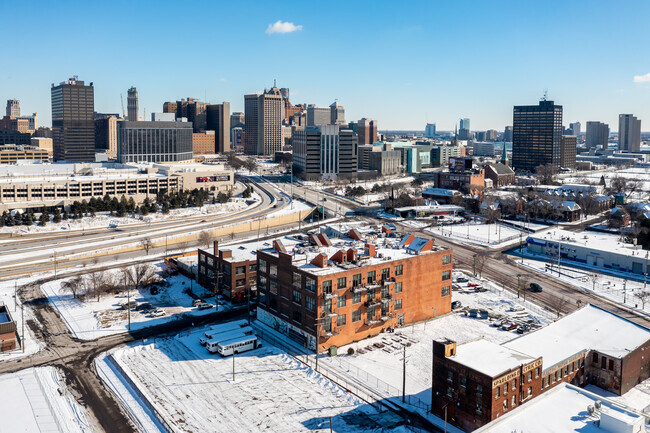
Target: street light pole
[
  {"x": 645, "y": 272},
  {"x": 518, "y": 284}
]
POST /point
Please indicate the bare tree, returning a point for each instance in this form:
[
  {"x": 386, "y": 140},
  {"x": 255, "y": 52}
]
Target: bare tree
[
  {"x": 493, "y": 214},
  {"x": 546, "y": 174},
  {"x": 140, "y": 275},
  {"x": 479, "y": 262},
  {"x": 644, "y": 296},
  {"x": 205, "y": 238},
  {"x": 146, "y": 244},
  {"x": 73, "y": 285},
  {"x": 557, "y": 304},
  {"x": 593, "y": 278},
  {"x": 95, "y": 281}
]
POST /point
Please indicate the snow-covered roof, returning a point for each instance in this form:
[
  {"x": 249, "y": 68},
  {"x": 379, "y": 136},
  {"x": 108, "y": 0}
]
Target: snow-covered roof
[
  {"x": 489, "y": 358},
  {"x": 589, "y": 328},
  {"x": 561, "y": 409},
  {"x": 441, "y": 192},
  {"x": 248, "y": 251}
]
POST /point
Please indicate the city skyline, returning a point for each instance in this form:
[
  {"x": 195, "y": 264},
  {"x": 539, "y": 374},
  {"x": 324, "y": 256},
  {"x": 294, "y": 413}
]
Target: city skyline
[{"x": 440, "y": 62}]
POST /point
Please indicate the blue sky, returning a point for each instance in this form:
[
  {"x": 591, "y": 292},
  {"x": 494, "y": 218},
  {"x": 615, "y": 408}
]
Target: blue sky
[{"x": 402, "y": 63}]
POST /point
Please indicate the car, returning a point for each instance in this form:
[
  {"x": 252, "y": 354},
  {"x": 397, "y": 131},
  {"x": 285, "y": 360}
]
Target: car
[
  {"x": 534, "y": 287},
  {"x": 125, "y": 305},
  {"x": 523, "y": 329},
  {"x": 143, "y": 307},
  {"x": 197, "y": 301},
  {"x": 462, "y": 280},
  {"x": 204, "y": 306},
  {"x": 472, "y": 285},
  {"x": 480, "y": 289},
  {"x": 509, "y": 326},
  {"x": 456, "y": 304},
  {"x": 455, "y": 287},
  {"x": 498, "y": 323},
  {"x": 157, "y": 313}
]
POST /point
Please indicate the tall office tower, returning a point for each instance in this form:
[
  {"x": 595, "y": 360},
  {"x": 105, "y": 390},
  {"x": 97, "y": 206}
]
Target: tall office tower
[
  {"x": 337, "y": 114},
  {"x": 537, "y": 135},
  {"x": 464, "y": 132},
  {"x": 237, "y": 119},
  {"x": 132, "y": 104},
  {"x": 191, "y": 109},
  {"x": 318, "y": 115},
  {"x": 218, "y": 120},
  {"x": 106, "y": 134},
  {"x": 507, "y": 134},
  {"x": 629, "y": 133},
  {"x": 491, "y": 135},
  {"x": 430, "y": 130},
  {"x": 575, "y": 128},
  {"x": 73, "y": 126},
  {"x": 263, "y": 118},
  {"x": 568, "y": 151},
  {"x": 325, "y": 152},
  {"x": 464, "y": 124},
  {"x": 285, "y": 93},
  {"x": 597, "y": 134},
  {"x": 13, "y": 107},
  {"x": 367, "y": 131}
]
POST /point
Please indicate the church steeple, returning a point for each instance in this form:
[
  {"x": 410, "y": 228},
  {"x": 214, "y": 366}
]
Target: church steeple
[{"x": 504, "y": 155}]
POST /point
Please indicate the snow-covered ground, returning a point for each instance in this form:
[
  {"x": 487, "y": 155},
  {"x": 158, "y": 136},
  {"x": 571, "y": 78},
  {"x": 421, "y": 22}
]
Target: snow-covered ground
[
  {"x": 490, "y": 235},
  {"x": 381, "y": 368},
  {"x": 31, "y": 344},
  {"x": 631, "y": 174},
  {"x": 296, "y": 206},
  {"x": 90, "y": 319},
  {"x": 193, "y": 390},
  {"x": 36, "y": 400}
]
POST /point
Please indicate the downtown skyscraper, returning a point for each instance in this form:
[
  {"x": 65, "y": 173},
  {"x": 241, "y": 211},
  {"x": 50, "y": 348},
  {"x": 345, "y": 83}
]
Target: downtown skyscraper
[
  {"x": 629, "y": 133},
  {"x": 132, "y": 105},
  {"x": 73, "y": 125},
  {"x": 537, "y": 135},
  {"x": 263, "y": 118}
]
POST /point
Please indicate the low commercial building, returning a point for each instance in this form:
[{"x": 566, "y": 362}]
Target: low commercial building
[
  {"x": 203, "y": 143},
  {"x": 436, "y": 210},
  {"x": 325, "y": 293},
  {"x": 471, "y": 181},
  {"x": 43, "y": 143},
  {"x": 440, "y": 155},
  {"x": 9, "y": 153},
  {"x": 386, "y": 163},
  {"x": 483, "y": 148},
  {"x": 154, "y": 142},
  {"x": 441, "y": 195},
  {"x": 325, "y": 152},
  {"x": 479, "y": 381},
  {"x": 8, "y": 336},
  {"x": 15, "y": 137}
]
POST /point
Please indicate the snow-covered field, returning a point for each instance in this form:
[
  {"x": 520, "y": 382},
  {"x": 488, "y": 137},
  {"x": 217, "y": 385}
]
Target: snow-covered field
[
  {"x": 632, "y": 174},
  {"x": 192, "y": 390},
  {"x": 32, "y": 345},
  {"x": 36, "y": 400},
  {"x": 382, "y": 367},
  {"x": 492, "y": 235},
  {"x": 90, "y": 319}
]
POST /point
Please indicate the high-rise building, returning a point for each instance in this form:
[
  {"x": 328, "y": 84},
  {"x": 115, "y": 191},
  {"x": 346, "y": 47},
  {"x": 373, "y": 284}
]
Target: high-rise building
[
  {"x": 203, "y": 143},
  {"x": 106, "y": 134},
  {"x": 73, "y": 125},
  {"x": 568, "y": 151},
  {"x": 537, "y": 135},
  {"x": 218, "y": 120},
  {"x": 263, "y": 118},
  {"x": 575, "y": 128},
  {"x": 132, "y": 104},
  {"x": 464, "y": 124},
  {"x": 13, "y": 107},
  {"x": 367, "y": 131},
  {"x": 191, "y": 109},
  {"x": 629, "y": 133},
  {"x": 464, "y": 133},
  {"x": 507, "y": 134},
  {"x": 318, "y": 115},
  {"x": 325, "y": 152},
  {"x": 237, "y": 119},
  {"x": 597, "y": 134},
  {"x": 430, "y": 130},
  {"x": 170, "y": 107},
  {"x": 154, "y": 141},
  {"x": 337, "y": 114},
  {"x": 491, "y": 135}
]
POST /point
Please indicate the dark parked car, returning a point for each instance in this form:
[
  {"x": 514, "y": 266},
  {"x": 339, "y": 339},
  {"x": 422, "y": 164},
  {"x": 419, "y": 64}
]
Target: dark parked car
[
  {"x": 534, "y": 287},
  {"x": 462, "y": 280},
  {"x": 143, "y": 306},
  {"x": 523, "y": 329},
  {"x": 480, "y": 289},
  {"x": 456, "y": 304}
]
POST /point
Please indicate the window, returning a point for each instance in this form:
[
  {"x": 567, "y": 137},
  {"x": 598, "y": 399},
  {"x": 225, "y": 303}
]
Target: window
[
  {"x": 371, "y": 277},
  {"x": 240, "y": 283},
  {"x": 327, "y": 324},
  {"x": 505, "y": 405},
  {"x": 356, "y": 280},
  {"x": 327, "y": 286},
  {"x": 297, "y": 316},
  {"x": 261, "y": 282},
  {"x": 398, "y": 287},
  {"x": 505, "y": 389},
  {"x": 399, "y": 269},
  {"x": 463, "y": 381},
  {"x": 450, "y": 391},
  {"x": 273, "y": 270},
  {"x": 297, "y": 297},
  {"x": 530, "y": 391},
  {"x": 327, "y": 306},
  {"x": 398, "y": 304},
  {"x": 514, "y": 385},
  {"x": 554, "y": 375},
  {"x": 310, "y": 284},
  {"x": 479, "y": 406},
  {"x": 262, "y": 264},
  {"x": 446, "y": 275},
  {"x": 356, "y": 316},
  {"x": 274, "y": 287},
  {"x": 310, "y": 303},
  {"x": 594, "y": 358},
  {"x": 514, "y": 400},
  {"x": 385, "y": 273},
  {"x": 340, "y": 320},
  {"x": 356, "y": 298},
  {"x": 371, "y": 313},
  {"x": 497, "y": 392},
  {"x": 341, "y": 283},
  {"x": 573, "y": 366},
  {"x": 240, "y": 270},
  {"x": 297, "y": 279},
  {"x": 371, "y": 294},
  {"x": 603, "y": 362},
  {"x": 537, "y": 372},
  {"x": 252, "y": 268},
  {"x": 530, "y": 376},
  {"x": 611, "y": 364},
  {"x": 479, "y": 389},
  {"x": 446, "y": 259},
  {"x": 446, "y": 291},
  {"x": 450, "y": 375},
  {"x": 385, "y": 292},
  {"x": 341, "y": 301}
]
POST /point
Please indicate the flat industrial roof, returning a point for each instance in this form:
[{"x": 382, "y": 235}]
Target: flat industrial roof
[{"x": 489, "y": 358}]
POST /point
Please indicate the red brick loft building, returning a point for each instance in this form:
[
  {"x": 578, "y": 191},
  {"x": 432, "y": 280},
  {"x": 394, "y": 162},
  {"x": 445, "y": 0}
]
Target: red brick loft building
[
  {"x": 7, "y": 330},
  {"x": 479, "y": 381},
  {"x": 353, "y": 288}
]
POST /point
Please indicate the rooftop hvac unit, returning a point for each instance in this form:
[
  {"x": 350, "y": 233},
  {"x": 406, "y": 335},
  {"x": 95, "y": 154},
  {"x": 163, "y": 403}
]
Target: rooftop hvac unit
[
  {"x": 591, "y": 410},
  {"x": 598, "y": 404}
]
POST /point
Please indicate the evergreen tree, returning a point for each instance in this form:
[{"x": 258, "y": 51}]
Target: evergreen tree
[
  {"x": 57, "y": 215},
  {"x": 27, "y": 219},
  {"x": 44, "y": 219},
  {"x": 65, "y": 215}
]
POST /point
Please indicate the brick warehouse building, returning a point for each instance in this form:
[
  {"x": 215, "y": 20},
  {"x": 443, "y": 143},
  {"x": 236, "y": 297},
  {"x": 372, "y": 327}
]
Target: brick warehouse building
[
  {"x": 7, "y": 330},
  {"x": 589, "y": 346},
  {"x": 350, "y": 289}
]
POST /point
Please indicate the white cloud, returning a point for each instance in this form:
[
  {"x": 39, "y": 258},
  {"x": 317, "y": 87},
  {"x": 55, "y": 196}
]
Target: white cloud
[
  {"x": 282, "y": 27},
  {"x": 642, "y": 78},
  {"x": 223, "y": 80}
]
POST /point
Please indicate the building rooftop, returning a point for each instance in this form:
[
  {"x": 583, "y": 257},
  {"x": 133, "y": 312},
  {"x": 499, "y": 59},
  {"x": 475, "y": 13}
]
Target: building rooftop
[
  {"x": 565, "y": 409},
  {"x": 489, "y": 358},
  {"x": 248, "y": 251},
  {"x": 589, "y": 328}
]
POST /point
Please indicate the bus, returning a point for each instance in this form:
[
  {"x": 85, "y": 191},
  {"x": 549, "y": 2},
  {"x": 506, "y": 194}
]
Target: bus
[
  {"x": 238, "y": 345},
  {"x": 224, "y": 327},
  {"x": 212, "y": 344}
]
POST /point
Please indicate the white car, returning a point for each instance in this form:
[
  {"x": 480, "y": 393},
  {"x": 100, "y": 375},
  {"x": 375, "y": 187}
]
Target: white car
[{"x": 157, "y": 313}]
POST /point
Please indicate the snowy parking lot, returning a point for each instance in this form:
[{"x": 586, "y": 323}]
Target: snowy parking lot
[
  {"x": 492, "y": 235},
  {"x": 193, "y": 390}
]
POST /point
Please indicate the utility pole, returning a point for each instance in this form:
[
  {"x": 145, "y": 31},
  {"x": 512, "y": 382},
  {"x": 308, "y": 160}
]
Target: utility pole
[
  {"x": 128, "y": 301},
  {"x": 248, "y": 303},
  {"x": 521, "y": 247},
  {"x": 404, "y": 376},
  {"x": 15, "y": 295},
  {"x": 233, "y": 365},
  {"x": 518, "y": 285},
  {"x": 624, "y": 290},
  {"x": 474, "y": 266},
  {"x": 22, "y": 314},
  {"x": 645, "y": 272},
  {"x": 559, "y": 256}
]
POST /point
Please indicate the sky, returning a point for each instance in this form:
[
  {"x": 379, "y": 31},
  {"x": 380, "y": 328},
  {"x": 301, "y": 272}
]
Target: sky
[{"x": 402, "y": 63}]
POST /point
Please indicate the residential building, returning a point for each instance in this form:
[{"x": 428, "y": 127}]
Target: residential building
[
  {"x": 154, "y": 141},
  {"x": 132, "y": 104},
  {"x": 318, "y": 115},
  {"x": 170, "y": 107},
  {"x": 629, "y": 133},
  {"x": 325, "y": 152},
  {"x": 237, "y": 120},
  {"x": 430, "y": 130},
  {"x": 203, "y": 143},
  {"x": 537, "y": 135},
  {"x": 263, "y": 118},
  {"x": 568, "y": 151},
  {"x": 575, "y": 128},
  {"x": 324, "y": 293},
  {"x": 367, "y": 131},
  {"x": 218, "y": 120},
  {"x": 10, "y": 153},
  {"x": 43, "y": 143},
  {"x": 440, "y": 155},
  {"x": 507, "y": 134},
  {"x": 106, "y": 134},
  {"x": 73, "y": 125},
  {"x": 500, "y": 174},
  {"x": 597, "y": 135},
  {"x": 13, "y": 108}
]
